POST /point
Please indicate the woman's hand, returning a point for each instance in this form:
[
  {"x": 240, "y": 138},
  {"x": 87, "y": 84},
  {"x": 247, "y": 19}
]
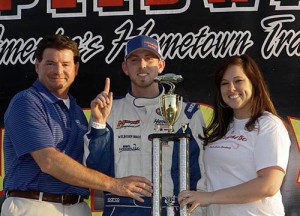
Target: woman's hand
[{"x": 194, "y": 199}]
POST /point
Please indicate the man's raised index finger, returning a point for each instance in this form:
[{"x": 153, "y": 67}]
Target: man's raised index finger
[{"x": 107, "y": 85}]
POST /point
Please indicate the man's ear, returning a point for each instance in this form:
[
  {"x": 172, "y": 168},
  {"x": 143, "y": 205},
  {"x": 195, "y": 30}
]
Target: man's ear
[
  {"x": 36, "y": 66},
  {"x": 124, "y": 68},
  {"x": 161, "y": 66}
]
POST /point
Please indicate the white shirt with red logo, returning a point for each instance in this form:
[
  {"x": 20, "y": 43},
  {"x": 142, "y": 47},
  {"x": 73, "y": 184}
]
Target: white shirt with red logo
[{"x": 238, "y": 156}]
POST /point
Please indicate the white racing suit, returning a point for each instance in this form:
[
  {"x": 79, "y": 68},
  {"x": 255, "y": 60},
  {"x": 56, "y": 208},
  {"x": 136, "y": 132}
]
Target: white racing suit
[{"x": 123, "y": 149}]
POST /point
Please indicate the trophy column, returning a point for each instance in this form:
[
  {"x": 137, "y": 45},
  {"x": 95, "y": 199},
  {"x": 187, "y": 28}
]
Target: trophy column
[
  {"x": 156, "y": 176},
  {"x": 157, "y": 140},
  {"x": 184, "y": 179}
]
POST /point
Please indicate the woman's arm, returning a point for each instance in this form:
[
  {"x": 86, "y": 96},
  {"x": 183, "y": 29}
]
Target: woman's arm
[{"x": 267, "y": 183}]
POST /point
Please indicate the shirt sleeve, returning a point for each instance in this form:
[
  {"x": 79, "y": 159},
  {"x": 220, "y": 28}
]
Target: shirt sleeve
[
  {"x": 196, "y": 125},
  {"x": 98, "y": 150},
  {"x": 26, "y": 125},
  {"x": 272, "y": 145}
]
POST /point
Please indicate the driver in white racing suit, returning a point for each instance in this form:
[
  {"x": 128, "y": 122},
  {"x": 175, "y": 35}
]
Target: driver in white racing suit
[{"x": 118, "y": 144}]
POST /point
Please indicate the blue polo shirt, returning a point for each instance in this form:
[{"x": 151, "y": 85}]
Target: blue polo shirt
[{"x": 36, "y": 119}]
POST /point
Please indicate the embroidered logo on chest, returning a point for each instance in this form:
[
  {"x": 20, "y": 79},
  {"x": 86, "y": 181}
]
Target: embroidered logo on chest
[
  {"x": 132, "y": 147},
  {"x": 128, "y": 123}
]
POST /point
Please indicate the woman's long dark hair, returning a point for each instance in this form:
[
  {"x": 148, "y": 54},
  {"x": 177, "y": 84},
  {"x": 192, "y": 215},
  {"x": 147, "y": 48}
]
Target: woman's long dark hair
[{"x": 223, "y": 114}]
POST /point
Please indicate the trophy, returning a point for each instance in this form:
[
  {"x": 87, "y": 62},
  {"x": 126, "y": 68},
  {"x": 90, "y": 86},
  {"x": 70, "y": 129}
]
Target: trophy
[{"x": 170, "y": 109}]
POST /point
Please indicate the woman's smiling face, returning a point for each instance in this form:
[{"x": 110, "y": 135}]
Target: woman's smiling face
[{"x": 236, "y": 90}]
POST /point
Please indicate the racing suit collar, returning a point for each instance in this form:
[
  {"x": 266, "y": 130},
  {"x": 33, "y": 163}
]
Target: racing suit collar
[{"x": 141, "y": 101}]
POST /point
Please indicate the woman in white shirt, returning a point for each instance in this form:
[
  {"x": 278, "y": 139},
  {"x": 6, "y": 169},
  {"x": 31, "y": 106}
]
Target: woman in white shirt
[{"x": 247, "y": 146}]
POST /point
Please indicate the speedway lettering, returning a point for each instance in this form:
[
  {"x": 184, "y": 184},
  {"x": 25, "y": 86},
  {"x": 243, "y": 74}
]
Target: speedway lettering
[{"x": 79, "y": 8}]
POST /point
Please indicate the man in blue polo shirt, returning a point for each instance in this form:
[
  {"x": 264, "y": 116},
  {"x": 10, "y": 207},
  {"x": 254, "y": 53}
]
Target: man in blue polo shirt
[{"x": 43, "y": 143}]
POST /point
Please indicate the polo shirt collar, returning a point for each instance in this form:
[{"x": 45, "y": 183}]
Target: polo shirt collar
[{"x": 47, "y": 94}]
